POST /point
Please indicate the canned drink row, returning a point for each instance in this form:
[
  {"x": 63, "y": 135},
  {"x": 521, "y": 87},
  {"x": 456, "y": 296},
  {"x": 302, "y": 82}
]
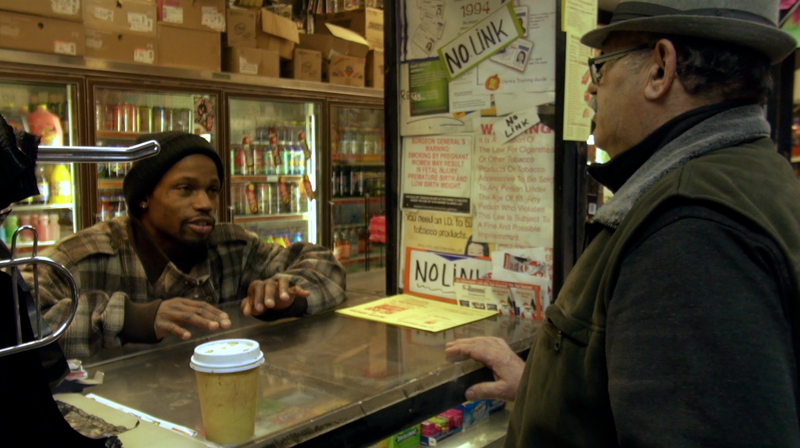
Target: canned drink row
[{"x": 142, "y": 119}]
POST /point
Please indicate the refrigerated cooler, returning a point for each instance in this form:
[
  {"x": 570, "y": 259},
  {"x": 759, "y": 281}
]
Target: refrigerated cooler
[
  {"x": 121, "y": 115},
  {"x": 358, "y": 187},
  {"x": 274, "y": 165},
  {"x": 46, "y": 109}
]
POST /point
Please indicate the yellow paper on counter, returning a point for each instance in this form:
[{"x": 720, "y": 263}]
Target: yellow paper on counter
[{"x": 414, "y": 312}]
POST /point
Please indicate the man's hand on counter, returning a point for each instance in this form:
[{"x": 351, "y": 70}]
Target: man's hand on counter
[
  {"x": 264, "y": 295},
  {"x": 498, "y": 356},
  {"x": 175, "y": 312}
]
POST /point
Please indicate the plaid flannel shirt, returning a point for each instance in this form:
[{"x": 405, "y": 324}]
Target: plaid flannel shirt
[{"x": 104, "y": 263}]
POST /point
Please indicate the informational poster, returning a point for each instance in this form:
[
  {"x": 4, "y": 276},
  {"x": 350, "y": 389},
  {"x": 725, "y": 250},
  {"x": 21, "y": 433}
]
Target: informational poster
[
  {"x": 508, "y": 298},
  {"x": 440, "y": 232},
  {"x": 432, "y": 274},
  {"x": 414, "y": 312},
  {"x": 436, "y": 173},
  {"x": 579, "y": 16},
  {"x": 469, "y": 59},
  {"x": 577, "y": 113},
  {"x": 513, "y": 187}
]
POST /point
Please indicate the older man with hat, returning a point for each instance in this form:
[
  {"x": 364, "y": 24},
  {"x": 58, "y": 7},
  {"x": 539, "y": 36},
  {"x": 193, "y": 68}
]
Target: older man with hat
[
  {"x": 678, "y": 326},
  {"x": 166, "y": 266}
]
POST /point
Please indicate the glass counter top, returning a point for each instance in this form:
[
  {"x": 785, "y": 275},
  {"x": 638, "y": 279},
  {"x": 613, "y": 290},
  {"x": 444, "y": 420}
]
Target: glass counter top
[{"x": 321, "y": 372}]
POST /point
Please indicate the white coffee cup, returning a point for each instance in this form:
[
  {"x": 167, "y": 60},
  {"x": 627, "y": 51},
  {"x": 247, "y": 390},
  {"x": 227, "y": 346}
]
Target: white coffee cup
[{"x": 227, "y": 385}]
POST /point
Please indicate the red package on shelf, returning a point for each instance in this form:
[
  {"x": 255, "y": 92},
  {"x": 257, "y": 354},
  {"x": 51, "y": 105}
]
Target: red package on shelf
[{"x": 377, "y": 229}]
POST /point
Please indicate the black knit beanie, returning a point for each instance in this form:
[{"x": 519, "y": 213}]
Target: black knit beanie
[{"x": 145, "y": 174}]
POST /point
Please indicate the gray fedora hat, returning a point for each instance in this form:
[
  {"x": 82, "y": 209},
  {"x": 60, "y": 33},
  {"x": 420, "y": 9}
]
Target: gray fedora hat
[{"x": 749, "y": 23}]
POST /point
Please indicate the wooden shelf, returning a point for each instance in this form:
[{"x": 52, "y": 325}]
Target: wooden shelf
[
  {"x": 355, "y": 200},
  {"x": 40, "y": 207},
  {"x": 117, "y": 135},
  {"x": 28, "y": 245}
]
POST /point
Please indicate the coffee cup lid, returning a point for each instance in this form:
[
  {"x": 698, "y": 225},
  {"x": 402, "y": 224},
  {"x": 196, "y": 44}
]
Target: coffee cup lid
[{"x": 227, "y": 356}]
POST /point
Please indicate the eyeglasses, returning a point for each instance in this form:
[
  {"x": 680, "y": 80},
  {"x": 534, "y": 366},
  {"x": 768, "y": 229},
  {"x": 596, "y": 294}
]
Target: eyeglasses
[{"x": 595, "y": 64}]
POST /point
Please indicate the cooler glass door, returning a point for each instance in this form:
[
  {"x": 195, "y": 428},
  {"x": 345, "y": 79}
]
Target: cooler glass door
[
  {"x": 122, "y": 115},
  {"x": 358, "y": 187},
  {"x": 47, "y": 110},
  {"x": 273, "y": 158}
]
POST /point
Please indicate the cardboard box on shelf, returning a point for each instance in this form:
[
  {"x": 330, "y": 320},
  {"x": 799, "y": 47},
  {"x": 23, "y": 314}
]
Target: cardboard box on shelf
[
  {"x": 41, "y": 34},
  {"x": 367, "y": 22},
  {"x": 251, "y": 61},
  {"x": 343, "y": 42},
  {"x": 346, "y": 70},
  {"x": 186, "y": 48},
  {"x": 123, "y": 47},
  {"x": 277, "y": 34},
  {"x": 205, "y": 15},
  {"x": 242, "y": 27},
  {"x": 374, "y": 69},
  {"x": 306, "y": 65},
  {"x": 62, "y": 9},
  {"x": 132, "y": 16}
]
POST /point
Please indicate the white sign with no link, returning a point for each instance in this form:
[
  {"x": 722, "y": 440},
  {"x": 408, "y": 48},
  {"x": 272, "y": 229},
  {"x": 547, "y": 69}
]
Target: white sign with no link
[{"x": 483, "y": 40}]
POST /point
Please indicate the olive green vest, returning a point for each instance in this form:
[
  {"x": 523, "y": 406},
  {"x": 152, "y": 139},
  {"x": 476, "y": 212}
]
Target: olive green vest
[{"x": 563, "y": 396}]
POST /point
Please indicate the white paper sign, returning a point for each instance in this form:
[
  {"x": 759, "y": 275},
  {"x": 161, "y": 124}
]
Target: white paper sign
[
  {"x": 213, "y": 18},
  {"x": 101, "y": 13},
  {"x": 515, "y": 124},
  {"x": 62, "y": 47},
  {"x": 173, "y": 14},
  {"x": 465, "y": 94},
  {"x": 144, "y": 55},
  {"x": 67, "y": 7},
  {"x": 140, "y": 22},
  {"x": 483, "y": 40},
  {"x": 505, "y": 103},
  {"x": 246, "y": 67},
  {"x": 433, "y": 273}
]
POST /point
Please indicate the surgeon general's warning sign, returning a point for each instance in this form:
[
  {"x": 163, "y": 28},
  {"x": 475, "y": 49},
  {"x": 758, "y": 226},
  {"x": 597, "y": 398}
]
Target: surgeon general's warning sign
[
  {"x": 437, "y": 173},
  {"x": 514, "y": 187}
]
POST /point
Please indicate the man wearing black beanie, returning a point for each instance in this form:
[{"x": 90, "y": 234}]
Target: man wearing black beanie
[{"x": 165, "y": 267}]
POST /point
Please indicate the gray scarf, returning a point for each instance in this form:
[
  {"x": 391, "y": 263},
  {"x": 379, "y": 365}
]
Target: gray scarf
[{"x": 726, "y": 129}]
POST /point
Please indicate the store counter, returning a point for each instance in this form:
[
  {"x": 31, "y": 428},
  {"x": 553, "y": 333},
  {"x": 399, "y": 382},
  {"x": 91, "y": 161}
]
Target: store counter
[{"x": 328, "y": 380}]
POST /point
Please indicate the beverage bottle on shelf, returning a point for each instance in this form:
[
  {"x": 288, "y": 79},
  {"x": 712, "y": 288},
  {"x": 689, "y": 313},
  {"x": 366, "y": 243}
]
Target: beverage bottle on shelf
[
  {"x": 46, "y": 125},
  {"x": 248, "y": 156},
  {"x": 353, "y": 238},
  {"x": 284, "y": 168},
  {"x": 43, "y": 186},
  {"x": 24, "y": 237},
  {"x": 345, "y": 244},
  {"x": 363, "y": 240},
  {"x": 55, "y": 227},
  {"x": 344, "y": 182},
  {"x": 297, "y": 238},
  {"x": 60, "y": 185},
  {"x": 258, "y": 159},
  {"x": 9, "y": 227},
  {"x": 357, "y": 182},
  {"x": 43, "y": 227},
  {"x": 335, "y": 181},
  {"x": 119, "y": 207},
  {"x": 294, "y": 202},
  {"x": 337, "y": 246}
]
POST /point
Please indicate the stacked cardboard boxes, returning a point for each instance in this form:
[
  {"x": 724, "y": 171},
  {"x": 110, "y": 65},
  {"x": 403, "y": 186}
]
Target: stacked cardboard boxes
[
  {"x": 42, "y": 26},
  {"x": 121, "y": 31},
  {"x": 202, "y": 35},
  {"x": 190, "y": 33},
  {"x": 366, "y": 23}
]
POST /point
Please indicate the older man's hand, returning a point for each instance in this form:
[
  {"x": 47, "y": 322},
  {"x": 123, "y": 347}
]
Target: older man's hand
[
  {"x": 498, "y": 356},
  {"x": 265, "y": 295}
]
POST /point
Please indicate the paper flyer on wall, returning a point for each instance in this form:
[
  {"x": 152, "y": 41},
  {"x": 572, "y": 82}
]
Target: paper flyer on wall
[
  {"x": 577, "y": 113},
  {"x": 414, "y": 312},
  {"x": 513, "y": 187},
  {"x": 431, "y": 274},
  {"x": 507, "y": 298},
  {"x": 437, "y": 172},
  {"x": 443, "y": 89}
]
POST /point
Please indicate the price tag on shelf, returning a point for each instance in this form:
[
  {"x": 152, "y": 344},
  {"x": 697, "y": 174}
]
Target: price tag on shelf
[
  {"x": 140, "y": 22},
  {"x": 61, "y": 47},
  {"x": 101, "y": 13}
]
